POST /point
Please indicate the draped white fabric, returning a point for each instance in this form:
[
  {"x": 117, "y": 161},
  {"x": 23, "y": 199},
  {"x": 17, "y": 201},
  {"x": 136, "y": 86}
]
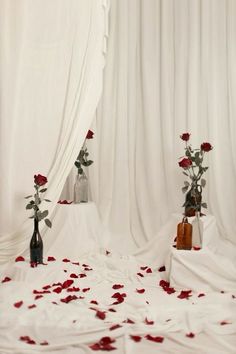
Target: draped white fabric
[
  {"x": 170, "y": 69},
  {"x": 51, "y": 61}
]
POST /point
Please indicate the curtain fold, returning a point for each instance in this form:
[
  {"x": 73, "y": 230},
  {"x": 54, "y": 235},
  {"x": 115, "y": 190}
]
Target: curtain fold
[
  {"x": 170, "y": 69},
  {"x": 51, "y": 62}
]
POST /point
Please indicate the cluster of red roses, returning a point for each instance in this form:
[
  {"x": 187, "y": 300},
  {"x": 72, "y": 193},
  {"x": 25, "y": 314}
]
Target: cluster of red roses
[{"x": 188, "y": 161}]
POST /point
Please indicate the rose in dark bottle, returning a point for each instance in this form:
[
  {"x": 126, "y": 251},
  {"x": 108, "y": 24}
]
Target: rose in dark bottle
[{"x": 36, "y": 243}]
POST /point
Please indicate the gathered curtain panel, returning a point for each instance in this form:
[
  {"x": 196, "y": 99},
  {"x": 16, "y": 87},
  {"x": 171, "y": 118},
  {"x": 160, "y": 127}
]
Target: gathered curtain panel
[
  {"x": 170, "y": 69},
  {"x": 51, "y": 63}
]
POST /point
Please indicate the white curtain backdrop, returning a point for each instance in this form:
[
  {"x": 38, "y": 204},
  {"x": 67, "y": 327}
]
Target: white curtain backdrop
[
  {"x": 170, "y": 69},
  {"x": 51, "y": 61}
]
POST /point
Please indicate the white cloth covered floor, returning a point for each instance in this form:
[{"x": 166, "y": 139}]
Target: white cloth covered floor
[{"x": 67, "y": 303}]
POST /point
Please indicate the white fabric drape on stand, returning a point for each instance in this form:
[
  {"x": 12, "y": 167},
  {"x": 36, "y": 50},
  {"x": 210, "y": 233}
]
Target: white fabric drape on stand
[
  {"x": 51, "y": 61},
  {"x": 170, "y": 69}
]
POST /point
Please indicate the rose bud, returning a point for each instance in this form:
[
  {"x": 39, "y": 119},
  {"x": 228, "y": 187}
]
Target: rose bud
[
  {"x": 206, "y": 147},
  {"x": 185, "y": 136}
]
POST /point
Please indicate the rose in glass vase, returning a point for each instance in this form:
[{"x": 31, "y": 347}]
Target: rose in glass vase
[
  {"x": 193, "y": 168},
  {"x": 81, "y": 184},
  {"x": 82, "y": 159}
]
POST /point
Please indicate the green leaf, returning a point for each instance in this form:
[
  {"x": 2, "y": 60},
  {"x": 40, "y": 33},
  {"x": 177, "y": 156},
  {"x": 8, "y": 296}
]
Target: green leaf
[
  {"x": 29, "y": 206},
  {"x": 88, "y": 163},
  {"x": 186, "y": 183},
  {"x": 80, "y": 171},
  {"x": 204, "y": 205},
  {"x": 43, "y": 190},
  {"x": 29, "y": 196},
  {"x": 48, "y": 223},
  {"x": 184, "y": 189},
  {"x": 44, "y": 214},
  {"x": 47, "y": 200},
  {"x": 203, "y": 182},
  {"x": 77, "y": 164}
]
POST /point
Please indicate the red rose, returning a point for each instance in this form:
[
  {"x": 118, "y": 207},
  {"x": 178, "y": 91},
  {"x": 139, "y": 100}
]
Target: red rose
[
  {"x": 185, "y": 163},
  {"x": 185, "y": 136},
  {"x": 206, "y": 147},
  {"x": 89, "y": 134},
  {"x": 40, "y": 180}
]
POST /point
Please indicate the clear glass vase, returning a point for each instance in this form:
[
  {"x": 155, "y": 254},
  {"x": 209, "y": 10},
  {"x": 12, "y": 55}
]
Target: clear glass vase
[{"x": 81, "y": 189}]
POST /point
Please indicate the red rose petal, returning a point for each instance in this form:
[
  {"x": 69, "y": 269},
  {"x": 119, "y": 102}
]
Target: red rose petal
[
  {"x": 31, "y": 306},
  {"x": 31, "y": 341},
  {"x": 94, "y": 302},
  {"x": 88, "y": 269},
  {"x": 38, "y": 297},
  {"x": 190, "y": 335},
  {"x": 41, "y": 291},
  {"x": 136, "y": 338},
  {"x": 51, "y": 259},
  {"x": 82, "y": 275},
  {"x": 117, "y": 286},
  {"x": 106, "y": 340},
  {"x": 67, "y": 283},
  {"x": 65, "y": 260},
  {"x": 148, "y": 322},
  {"x": 185, "y": 294},
  {"x": 76, "y": 263},
  {"x": 6, "y": 279},
  {"x": 69, "y": 298},
  {"x": 201, "y": 294},
  {"x": 170, "y": 290},
  {"x": 157, "y": 339},
  {"x": 149, "y": 270},
  {"x": 164, "y": 283},
  {"x": 73, "y": 275},
  {"x": 162, "y": 269},
  {"x": 85, "y": 290},
  {"x": 95, "y": 346},
  {"x": 112, "y": 328},
  {"x": 18, "y": 304},
  {"x": 108, "y": 347},
  {"x": 19, "y": 259},
  {"x": 140, "y": 275},
  {"x": 72, "y": 289},
  {"x": 25, "y": 338},
  {"x": 44, "y": 343},
  {"x": 129, "y": 321},
  {"x": 144, "y": 268},
  {"x": 196, "y": 248},
  {"x": 57, "y": 284},
  {"x": 140, "y": 291},
  {"x": 57, "y": 290},
  {"x": 101, "y": 315},
  {"x": 224, "y": 323},
  {"x": 45, "y": 287},
  {"x": 112, "y": 310},
  {"x": 117, "y": 295}
]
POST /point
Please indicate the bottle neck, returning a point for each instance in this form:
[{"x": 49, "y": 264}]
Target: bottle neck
[{"x": 36, "y": 225}]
